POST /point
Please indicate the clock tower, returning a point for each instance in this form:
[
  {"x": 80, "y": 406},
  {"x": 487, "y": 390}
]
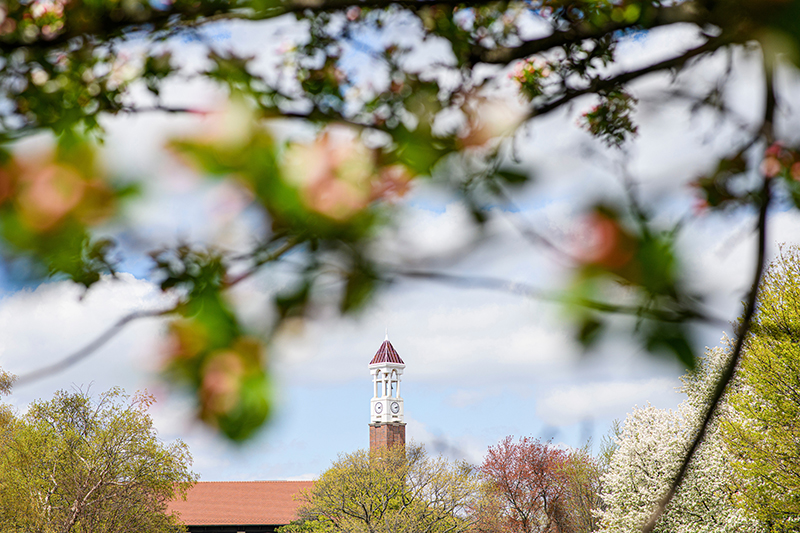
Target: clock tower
[{"x": 386, "y": 427}]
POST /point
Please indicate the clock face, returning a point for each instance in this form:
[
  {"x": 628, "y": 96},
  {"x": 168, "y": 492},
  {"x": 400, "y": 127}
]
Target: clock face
[
  {"x": 379, "y": 408},
  {"x": 395, "y": 407}
]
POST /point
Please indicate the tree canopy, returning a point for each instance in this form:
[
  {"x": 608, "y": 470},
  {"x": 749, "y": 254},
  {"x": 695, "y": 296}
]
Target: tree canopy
[
  {"x": 536, "y": 487},
  {"x": 77, "y": 463},
  {"x": 651, "y": 443},
  {"x": 390, "y": 490},
  {"x": 763, "y": 434}
]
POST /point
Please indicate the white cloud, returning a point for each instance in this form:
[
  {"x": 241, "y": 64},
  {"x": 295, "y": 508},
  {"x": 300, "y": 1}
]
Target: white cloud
[
  {"x": 451, "y": 335},
  {"x": 420, "y": 233},
  {"x": 43, "y": 325},
  {"x": 572, "y": 403}
]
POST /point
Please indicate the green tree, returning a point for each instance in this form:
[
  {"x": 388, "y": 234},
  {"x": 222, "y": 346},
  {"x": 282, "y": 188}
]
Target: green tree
[
  {"x": 390, "y": 490},
  {"x": 765, "y": 430},
  {"x": 6, "y": 414},
  {"x": 77, "y": 464}
]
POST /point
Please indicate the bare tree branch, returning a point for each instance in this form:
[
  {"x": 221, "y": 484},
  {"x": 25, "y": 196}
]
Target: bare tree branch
[{"x": 744, "y": 327}]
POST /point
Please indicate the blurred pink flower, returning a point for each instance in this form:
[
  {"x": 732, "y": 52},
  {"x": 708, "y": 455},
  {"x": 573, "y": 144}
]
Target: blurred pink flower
[
  {"x": 771, "y": 166},
  {"x": 489, "y": 120},
  {"x": 48, "y": 194},
  {"x": 334, "y": 173}
]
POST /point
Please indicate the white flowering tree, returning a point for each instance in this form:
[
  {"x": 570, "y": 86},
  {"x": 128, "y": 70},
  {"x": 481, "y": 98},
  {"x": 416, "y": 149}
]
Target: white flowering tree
[{"x": 651, "y": 445}]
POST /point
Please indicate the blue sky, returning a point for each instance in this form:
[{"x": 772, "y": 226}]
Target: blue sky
[{"x": 480, "y": 365}]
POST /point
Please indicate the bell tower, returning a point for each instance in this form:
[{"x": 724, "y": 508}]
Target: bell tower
[{"x": 386, "y": 427}]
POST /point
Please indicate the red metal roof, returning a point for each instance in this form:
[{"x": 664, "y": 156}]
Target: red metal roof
[
  {"x": 217, "y": 503},
  {"x": 386, "y": 354}
]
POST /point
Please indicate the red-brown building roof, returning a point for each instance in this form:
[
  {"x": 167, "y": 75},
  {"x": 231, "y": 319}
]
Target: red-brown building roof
[
  {"x": 386, "y": 354},
  {"x": 240, "y": 502}
]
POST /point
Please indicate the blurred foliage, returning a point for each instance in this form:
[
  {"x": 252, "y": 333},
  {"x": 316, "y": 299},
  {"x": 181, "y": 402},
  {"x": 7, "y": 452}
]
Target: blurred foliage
[
  {"x": 644, "y": 261},
  {"x": 48, "y": 205},
  {"x": 611, "y": 119},
  {"x": 66, "y": 65},
  {"x": 207, "y": 349}
]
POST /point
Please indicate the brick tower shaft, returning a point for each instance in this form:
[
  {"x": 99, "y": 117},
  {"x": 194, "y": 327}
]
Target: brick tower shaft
[{"x": 387, "y": 435}]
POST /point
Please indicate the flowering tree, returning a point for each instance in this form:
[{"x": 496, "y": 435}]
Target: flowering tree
[
  {"x": 538, "y": 488},
  {"x": 651, "y": 443}
]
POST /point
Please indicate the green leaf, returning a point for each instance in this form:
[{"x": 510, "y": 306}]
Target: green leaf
[
  {"x": 293, "y": 302},
  {"x": 360, "y": 285},
  {"x": 252, "y": 410},
  {"x": 671, "y": 338},
  {"x": 513, "y": 177},
  {"x": 590, "y": 330}
]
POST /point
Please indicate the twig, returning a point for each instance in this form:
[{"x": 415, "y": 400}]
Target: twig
[
  {"x": 90, "y": 348},
  {"x": 283, "y": 249},
  {"x": 529, "y": 291},
  {"x": 631, "y": 75}
]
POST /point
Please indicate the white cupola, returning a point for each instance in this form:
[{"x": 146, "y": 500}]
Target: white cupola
[{"x": 386, "y": 406}]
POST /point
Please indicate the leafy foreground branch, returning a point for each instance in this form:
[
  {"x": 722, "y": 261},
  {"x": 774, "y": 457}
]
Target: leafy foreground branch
[
  {"x": 743, "y": 330},
  {"x": 324, "y": 203}
]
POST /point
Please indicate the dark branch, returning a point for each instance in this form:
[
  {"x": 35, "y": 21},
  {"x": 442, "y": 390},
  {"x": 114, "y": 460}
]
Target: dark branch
[
  {"x": 690, "y": 12},
  {"x": 744, "y": 327},
  {"x": 600, "y": 84},
  {"x": 181, "y": 16},
  {"x": 269, "y": 258}
]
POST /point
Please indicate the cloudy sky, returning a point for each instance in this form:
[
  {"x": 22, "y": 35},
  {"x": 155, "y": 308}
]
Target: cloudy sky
[{"x": 480, "y": 364}]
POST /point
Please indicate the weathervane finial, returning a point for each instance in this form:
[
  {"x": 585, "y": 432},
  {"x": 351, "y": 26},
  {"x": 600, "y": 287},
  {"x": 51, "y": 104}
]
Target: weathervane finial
[{"x": 387, "y": 334}]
